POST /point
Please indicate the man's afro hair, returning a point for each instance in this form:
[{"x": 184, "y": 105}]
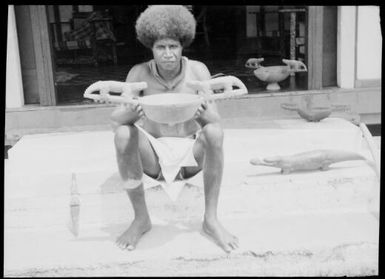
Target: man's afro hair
[{"x": 165, "y": 21}]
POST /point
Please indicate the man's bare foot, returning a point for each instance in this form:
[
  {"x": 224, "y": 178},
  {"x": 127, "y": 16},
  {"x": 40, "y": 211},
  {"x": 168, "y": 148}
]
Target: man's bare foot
[
  {"x": 220, "y": 235},
  {"x": 131, "y": 236}
]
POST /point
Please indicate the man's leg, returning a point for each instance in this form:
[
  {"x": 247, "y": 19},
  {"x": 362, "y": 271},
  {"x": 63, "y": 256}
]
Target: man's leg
[
  {"x": 134, "y": 152},
  {"x": 208, "y": 151}
]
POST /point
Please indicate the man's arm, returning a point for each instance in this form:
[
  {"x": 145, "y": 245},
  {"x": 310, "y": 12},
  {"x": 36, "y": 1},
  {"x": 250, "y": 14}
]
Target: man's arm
[
  {"x": 200, "y": 70},
  {"x": 208, "y": 111},
  {"x": 126, "y": 114}
]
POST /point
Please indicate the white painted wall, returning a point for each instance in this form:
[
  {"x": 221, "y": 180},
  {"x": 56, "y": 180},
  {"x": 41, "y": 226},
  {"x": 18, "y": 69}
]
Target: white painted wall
[
  {"x": 359, "y": 47},
  {"x": 14, "y": 85},
  {"x": 369, "y": 43},
  {"x": 346, "y": 39}
]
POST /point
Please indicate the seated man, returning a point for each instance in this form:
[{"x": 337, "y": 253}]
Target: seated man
[{"x": 166, "y": 30}]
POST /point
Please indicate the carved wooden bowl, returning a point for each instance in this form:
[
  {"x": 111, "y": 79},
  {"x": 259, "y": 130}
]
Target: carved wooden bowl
[
  {"x": 272, "y": 75},
  {"x": 170, "y": 108}
]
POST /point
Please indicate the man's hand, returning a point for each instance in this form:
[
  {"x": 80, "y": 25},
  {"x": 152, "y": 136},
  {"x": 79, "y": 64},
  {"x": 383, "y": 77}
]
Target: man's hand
[
  {"x": 137, "y": 109},
  {"x": 207, "y": 113},
  {"x": 127, "y": 114}
]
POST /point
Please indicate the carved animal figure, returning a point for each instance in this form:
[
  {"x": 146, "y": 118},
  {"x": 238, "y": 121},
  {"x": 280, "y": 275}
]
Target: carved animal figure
[
  {"x": 311, "y": 160},
  {"x": 224, "y": 83},
  {"x": 312, "y": 114},
  {"x": 125, "y": 88},
  {"x": 254, "y": 63}
]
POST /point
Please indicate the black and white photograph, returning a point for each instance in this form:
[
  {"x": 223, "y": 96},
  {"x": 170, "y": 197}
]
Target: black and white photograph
[{"x": 177, "y": 140}]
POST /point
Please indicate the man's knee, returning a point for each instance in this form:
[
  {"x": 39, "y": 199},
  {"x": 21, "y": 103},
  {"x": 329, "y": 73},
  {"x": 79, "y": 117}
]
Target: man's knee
[
  {"x": 213, "y": 135},
  {"x": 131, "y": 184},
  {"x": 125, "y": 135}
]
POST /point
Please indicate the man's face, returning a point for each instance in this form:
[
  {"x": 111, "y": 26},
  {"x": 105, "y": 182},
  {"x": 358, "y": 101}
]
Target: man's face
[{"x": 167, "y": 53}]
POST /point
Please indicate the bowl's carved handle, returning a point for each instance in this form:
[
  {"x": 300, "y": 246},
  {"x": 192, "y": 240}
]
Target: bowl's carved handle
[
  {"x": 254, "y": 63},
  {"x": 224, "y": 83},
  {"x": 126, "y": 89},
  {"x": 295, "y": 65}
]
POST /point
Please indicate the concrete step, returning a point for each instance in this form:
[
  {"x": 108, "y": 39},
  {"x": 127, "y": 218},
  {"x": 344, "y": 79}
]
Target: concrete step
[
  {"x": 303, "y": 223},
  {"x": 40, "y": 168},
  {"x": 104, "y": 203},
  {"x": 333, "y": 244}
]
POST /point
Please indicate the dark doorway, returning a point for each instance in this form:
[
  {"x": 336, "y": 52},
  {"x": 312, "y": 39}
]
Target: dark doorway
[{"x": 226, "y": 37}]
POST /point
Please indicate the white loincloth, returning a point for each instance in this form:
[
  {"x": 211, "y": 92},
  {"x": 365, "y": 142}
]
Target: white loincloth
[{"x": 173, "y": 153}]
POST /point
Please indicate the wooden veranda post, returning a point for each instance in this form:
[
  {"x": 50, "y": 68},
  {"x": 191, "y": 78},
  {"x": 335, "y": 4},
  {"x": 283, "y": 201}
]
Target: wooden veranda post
[{"x": 43, "y": 55}]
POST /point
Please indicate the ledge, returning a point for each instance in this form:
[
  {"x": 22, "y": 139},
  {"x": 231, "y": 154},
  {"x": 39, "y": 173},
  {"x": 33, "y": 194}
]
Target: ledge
[
  {"x": 251, "y": 95},
  {"x": 252, "y": 107}
]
